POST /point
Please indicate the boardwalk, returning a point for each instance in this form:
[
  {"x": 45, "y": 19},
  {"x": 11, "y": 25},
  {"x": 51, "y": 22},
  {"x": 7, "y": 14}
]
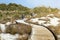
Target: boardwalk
[{"x": 41, "y": 33}]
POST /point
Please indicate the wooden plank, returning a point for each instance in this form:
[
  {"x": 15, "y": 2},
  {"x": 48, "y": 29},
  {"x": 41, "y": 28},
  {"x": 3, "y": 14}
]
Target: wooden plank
[{"x": 41, "y": 33}]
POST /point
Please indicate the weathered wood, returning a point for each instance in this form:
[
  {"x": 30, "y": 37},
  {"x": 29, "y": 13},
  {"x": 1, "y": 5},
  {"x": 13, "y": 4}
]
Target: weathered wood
[{"x": 41, "y": 33}]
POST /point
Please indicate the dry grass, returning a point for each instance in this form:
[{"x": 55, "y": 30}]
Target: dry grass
[
  {"x": 23, "y": 37},
  {"x": 55, "y": 29},
  {"x": 0, "y": 30},
  {"x": 23, "y": 30},
  {"x": 19, "y": 28}
]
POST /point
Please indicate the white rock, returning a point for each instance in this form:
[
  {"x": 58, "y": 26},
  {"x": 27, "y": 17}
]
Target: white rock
[
  {"x": 8, "y": 23},
  {"x": 41, "y": 22},
  {"x": 34, "y": 20},
  {"x": 54, "y": 21},
  {"x": 21, "y": 21},
  {"x": 50, "y": 15},
  {"x": 2, "y": 26},
  {"x": 8, "y": 36}
]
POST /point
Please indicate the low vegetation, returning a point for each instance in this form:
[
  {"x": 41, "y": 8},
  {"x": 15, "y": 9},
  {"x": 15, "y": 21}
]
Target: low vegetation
[
  {"x": 12, "y": 11},
  {"x": 55, "y": 29},
  {"x": 18, "y": 28}
]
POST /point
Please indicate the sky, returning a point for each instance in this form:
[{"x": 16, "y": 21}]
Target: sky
[{"x": 34, "y": 3}]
